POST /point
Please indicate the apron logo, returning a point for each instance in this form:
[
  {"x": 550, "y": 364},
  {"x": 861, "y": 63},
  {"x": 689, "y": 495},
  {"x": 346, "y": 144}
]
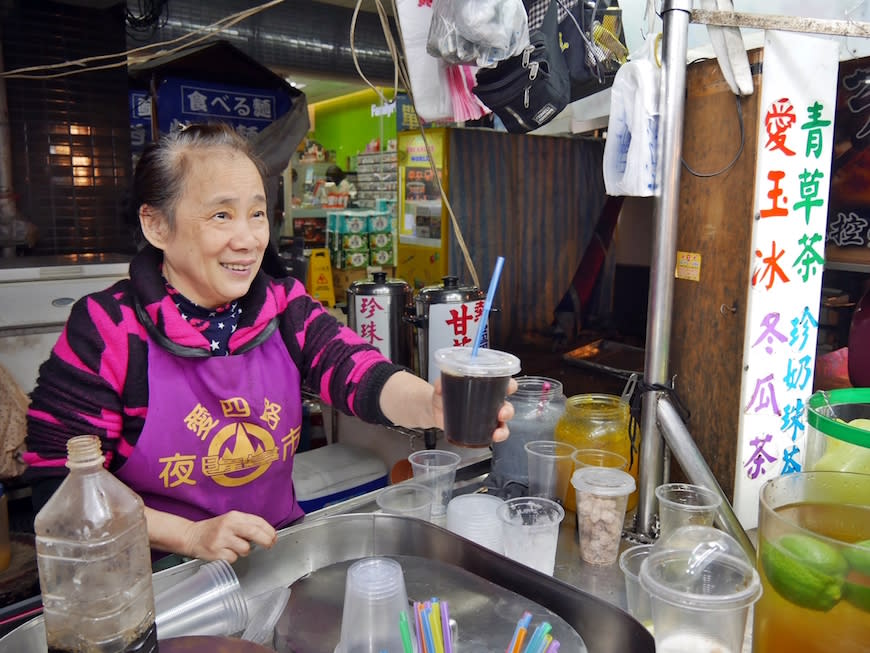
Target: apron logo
[{"x": 238, "y": 454}]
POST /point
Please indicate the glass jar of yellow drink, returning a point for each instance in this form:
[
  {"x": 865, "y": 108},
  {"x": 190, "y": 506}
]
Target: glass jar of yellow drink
[
  {"x": 598, "y": 421},
  {"x": 814, "y": 562}
]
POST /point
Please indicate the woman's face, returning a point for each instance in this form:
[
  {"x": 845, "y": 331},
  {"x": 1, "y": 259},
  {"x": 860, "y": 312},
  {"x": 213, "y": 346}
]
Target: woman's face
[{"x": 221, "y": 228}]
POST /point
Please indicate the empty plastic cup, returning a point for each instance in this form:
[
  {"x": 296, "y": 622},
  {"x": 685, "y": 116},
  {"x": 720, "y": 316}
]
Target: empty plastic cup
[
  {"x": 702, "y": 586},
  {"x": 436, "y": 470},
  {"x": 681, "y": 504},
  {"x": 374, "y": 597},
  {"x": 473, "y": 391},
  {"x": 530, "y": 531},
  {"x": 406, "y": 499},
  {"x": 474, "y": 517},
  {"x": 210, "y": 602},
  {"x": 636, "y": 597},
  {"x": 602, "y": 495},
  {"x": 550, "y": 468},
  {"x": 598, "y": 458}
]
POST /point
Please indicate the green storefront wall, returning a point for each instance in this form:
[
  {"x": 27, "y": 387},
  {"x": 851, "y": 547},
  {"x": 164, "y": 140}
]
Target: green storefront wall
[{"x": 346, "y": 125}]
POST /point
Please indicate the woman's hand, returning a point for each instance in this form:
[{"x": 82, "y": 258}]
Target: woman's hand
[
  {"x": 228, "y": 536},
  {"x": 225, "y": 537},
  {"x": 409, "y": 401}
]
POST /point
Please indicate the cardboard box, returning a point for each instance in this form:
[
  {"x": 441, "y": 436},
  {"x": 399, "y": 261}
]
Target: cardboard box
[{"x": 341, "y": 279}]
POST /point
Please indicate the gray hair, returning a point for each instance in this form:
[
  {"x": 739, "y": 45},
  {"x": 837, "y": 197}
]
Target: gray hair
[{"x": 163, "y": 166}]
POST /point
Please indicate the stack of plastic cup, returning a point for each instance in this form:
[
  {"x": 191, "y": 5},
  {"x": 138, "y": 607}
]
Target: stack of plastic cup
[
  {"x": 374, "y": 599},
  {"x": 682, "y": 504},
  {"x": 407, "y": 500},
  {"x": 436, "y": 470},
  {"x": 210, "y": 602},
  {"x": 702, "y": 586},
  {"x": 530, "y": 531},
  {"x": 637, "y": 598},
  {"x": 473, "y": 516}
]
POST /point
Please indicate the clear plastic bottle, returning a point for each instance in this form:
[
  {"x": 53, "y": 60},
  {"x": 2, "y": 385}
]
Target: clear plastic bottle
[{"x": 94, "y": 561}]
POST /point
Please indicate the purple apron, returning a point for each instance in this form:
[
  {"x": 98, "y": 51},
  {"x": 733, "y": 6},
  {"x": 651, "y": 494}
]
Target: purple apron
[{"x": 220, "y": 435}]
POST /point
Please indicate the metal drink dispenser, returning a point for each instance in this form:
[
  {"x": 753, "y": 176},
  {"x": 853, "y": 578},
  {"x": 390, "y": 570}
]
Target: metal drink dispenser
[
  {"x": 448, "y": 315},
  {"x": 376, "y": 310}
]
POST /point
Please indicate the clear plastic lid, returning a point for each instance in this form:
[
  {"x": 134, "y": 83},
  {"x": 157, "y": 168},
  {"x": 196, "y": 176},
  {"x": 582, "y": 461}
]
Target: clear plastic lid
[
  {"x": 603, "y": 481},
  {"x": 701, "y": 568},
  {"x": 488, "y": 362}
]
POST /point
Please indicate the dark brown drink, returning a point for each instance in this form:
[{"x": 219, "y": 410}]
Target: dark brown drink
[{"x": 471, "y": 405}]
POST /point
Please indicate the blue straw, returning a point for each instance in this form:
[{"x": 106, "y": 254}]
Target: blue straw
[{"x": 487, "y": 305}]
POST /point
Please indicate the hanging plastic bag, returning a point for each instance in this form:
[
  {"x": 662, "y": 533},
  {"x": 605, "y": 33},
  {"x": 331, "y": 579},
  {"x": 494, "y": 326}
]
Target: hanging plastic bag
[
  {"x": 479, "y": 32},
  {"x": 428, "y": 75},
  {"x": 630, "y": 151}
]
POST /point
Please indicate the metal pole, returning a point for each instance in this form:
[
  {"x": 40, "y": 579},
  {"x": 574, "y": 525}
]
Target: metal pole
[
  {"x": 8, "y": 210},
  {"x": 692, "y": 462},
  {"x": 675, "y": 18}
]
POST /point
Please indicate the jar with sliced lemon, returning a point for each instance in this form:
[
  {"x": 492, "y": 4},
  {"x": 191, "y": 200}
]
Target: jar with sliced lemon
[
  {"x": 838, "y": 431},
  {"x": 814, "y": 562}
]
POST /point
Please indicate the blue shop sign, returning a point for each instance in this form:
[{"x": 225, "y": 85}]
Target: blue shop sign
[{"x": 249, "y": 110}]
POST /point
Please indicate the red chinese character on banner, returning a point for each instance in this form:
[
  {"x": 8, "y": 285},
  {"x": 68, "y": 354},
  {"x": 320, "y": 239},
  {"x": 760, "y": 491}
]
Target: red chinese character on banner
[
  {"x": 779, "y": 119},
  {"x": 478, "y": 310},
  {"x": 369, "y": 332},
  {"x": 424, "y": 3},
  {"x": 464, "y": 341},
  {"x": 775, "y": 194},
  {"x": 460, "y": 322},
  {"x": 369, "y": 305}
]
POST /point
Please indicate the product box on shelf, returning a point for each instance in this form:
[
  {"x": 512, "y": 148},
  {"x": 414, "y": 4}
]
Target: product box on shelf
[
  {"x": 383, "y": 256},
  {"x": 380, "y": 222},
  {"x": 348, "y": 221},
  {"x": 348, "y": 260}
]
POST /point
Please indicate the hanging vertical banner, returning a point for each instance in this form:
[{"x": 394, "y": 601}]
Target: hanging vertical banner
[{"x": 795, "y": 138}]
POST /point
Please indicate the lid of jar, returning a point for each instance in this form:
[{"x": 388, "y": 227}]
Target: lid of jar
[{"x": 603, "y": 481}]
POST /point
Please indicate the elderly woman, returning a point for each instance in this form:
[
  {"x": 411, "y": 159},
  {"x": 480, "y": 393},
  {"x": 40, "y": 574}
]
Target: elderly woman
[{"x": 190, "y": 370}]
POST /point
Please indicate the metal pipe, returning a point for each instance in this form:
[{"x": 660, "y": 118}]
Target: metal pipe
[
  {"x": 692, "y": 462},
  {"x": 675, "y": 17},
  {"x": 8, "y": 210}
]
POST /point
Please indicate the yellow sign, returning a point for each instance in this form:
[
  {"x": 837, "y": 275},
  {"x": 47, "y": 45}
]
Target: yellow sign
[
  {"x": 320, "y": 277},
  {"x": 688, "y": 266}
]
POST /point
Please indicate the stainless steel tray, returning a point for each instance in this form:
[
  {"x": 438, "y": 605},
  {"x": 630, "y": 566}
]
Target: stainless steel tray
[{"x": 318, "y": 543}]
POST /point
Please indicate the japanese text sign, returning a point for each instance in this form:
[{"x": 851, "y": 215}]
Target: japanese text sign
[{"x": 795, "y": 139}]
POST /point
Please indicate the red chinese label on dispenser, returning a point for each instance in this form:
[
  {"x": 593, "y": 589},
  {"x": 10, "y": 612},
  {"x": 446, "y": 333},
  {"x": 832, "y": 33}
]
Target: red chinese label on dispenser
[
  {"x": 453, "y": 325},
  {"x": 372, "y": 319}
]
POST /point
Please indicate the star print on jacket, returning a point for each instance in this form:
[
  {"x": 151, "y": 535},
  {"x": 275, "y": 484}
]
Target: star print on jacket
[{"x": 216, "y": 324}]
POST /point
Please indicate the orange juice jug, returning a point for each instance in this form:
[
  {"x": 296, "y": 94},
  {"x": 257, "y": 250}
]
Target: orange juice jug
[{"x": 599, "y": 421}]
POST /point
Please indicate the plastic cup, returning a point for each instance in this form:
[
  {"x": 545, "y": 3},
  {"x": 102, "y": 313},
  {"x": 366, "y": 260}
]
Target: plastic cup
[
  {"x": 602, "y": 495},
  {"x": 530, "y": 531},
  {"x": 474, "y": 517},
  {"x": 436, "y": 470},
  {"x": 210, "y": 602},
  {"x": 550, "y": 468},
  {"x": 374, "y": 597},
  {"x": 637, "y": 598},
  {"x": 598, "y": 458},
  {"x": 473, "y": 391},
  {"x": 701, "y": 590},
  {"x": 406, "y": 499},
  {"x": 681, "y": 504}
]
